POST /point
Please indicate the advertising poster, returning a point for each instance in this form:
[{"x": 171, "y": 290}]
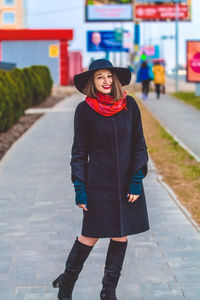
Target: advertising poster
[
  {"x": 162, "y": 10},
  {"x": 108, "y": 10},
  {"x": 151, "y": 51},
  {"x": 107, "y": 41},
  {"x": 193, "y": 61},
  {"x": 161, "y": 1}
]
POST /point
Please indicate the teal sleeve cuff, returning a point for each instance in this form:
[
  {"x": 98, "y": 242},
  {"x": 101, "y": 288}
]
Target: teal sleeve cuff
[
  {"x": 80, "y": 190},
  {"x": 135, "y": 185}
]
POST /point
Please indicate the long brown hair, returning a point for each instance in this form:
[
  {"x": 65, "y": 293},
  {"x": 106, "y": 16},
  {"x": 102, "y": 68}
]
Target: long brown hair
[{"x": 117, "y": 88}]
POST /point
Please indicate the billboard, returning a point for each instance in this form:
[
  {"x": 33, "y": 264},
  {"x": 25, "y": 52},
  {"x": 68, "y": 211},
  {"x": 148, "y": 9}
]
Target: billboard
[
  {"x": 162, "y": 11},
  {"x": 193, "y": 61},
  {"x": 161, "y": 1},
  {"x": 105, "y": 41},
  {"x": 151, "y": 51},
  {"x": 127, "y": 40},
  {"x": 108, "y": 10}
]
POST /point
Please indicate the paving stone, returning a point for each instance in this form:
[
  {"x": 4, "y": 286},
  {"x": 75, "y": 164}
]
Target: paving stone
[
  {"x": 30, "y": 289},
  {"x": 10, "y": 296},
  {"x": 39, "y": 223},
  {"x": 42, "y": 296}
]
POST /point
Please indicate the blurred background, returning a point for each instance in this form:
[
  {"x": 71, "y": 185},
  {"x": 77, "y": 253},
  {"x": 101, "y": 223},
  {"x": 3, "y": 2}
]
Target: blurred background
[
  {"x": 43, "y": 44},
  {"x": 120, "y": 30}
]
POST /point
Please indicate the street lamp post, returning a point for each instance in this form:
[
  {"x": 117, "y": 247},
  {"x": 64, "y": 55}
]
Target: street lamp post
[{"x": 176, "y": 44}]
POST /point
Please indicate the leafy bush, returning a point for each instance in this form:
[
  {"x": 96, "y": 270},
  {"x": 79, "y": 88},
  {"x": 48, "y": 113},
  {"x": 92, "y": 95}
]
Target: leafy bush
[
  {"x": 23, "y": 84},
  {"x": 20, "y": 89}
]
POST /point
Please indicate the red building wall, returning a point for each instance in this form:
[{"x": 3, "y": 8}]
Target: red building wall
[
  {"x": 75, "y": 64},
  {"x": 62, "y": 35}
]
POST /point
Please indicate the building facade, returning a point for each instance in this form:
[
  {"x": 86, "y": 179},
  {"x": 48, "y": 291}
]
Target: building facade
[
  {"x": 40, "y": 47},
  {"x": 11, "y": 14}
]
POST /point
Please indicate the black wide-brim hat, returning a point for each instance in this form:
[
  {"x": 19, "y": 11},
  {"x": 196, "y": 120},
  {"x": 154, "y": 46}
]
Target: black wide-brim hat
[{"x": 123, "y": 74}]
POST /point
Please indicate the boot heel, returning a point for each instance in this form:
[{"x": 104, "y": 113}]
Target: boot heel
[
  {"x": 74, "y": 264},
  {"x": 55, "y": 283},
  {"x": 112, "y": 271}
]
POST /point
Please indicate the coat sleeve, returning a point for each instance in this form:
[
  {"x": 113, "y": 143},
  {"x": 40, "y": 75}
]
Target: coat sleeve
[
  {"x": 79, "y": 152},
  {"x": 139, "y": 151},
  {"x": 135, "y": 184}
]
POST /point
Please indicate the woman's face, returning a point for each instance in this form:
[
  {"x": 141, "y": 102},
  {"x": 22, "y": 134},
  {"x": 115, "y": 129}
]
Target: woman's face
[{"x": 103, "y": 81}]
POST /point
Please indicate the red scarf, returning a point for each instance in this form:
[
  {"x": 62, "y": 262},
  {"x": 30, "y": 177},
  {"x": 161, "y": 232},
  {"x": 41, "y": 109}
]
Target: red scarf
[{"x": 106, "y": 105}]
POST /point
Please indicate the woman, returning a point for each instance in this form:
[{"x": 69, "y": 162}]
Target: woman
[
  {"x": 109, "y": 160},
  {"x": 159, "y": 77},
  {"x": 143, "y": 76}
]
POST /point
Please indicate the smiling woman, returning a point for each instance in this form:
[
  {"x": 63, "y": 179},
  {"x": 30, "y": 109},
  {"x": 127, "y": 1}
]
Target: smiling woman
[
  {"x": 105, "y": 82},
  {"x": 109, "y": 161}
]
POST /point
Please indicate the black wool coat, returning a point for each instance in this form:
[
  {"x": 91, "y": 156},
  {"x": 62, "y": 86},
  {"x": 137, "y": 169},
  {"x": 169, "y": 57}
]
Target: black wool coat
[{"x": 106, "y": 152}]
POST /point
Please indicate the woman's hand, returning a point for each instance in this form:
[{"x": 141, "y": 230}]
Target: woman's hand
[
  {"x": 132, "y": 198},
  {"x": 83, "y": 206}
]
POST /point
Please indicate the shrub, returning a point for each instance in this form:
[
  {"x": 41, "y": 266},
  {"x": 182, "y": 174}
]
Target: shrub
[
  {"x": 20, "y": 89},
  {"x": 22, "y": 82},
  {"x": 6, "y": 109}
]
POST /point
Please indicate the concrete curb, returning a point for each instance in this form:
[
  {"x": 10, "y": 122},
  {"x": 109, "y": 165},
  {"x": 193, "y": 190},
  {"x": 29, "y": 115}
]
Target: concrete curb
[
  {"x": 174, "y": 197},
  {"x": 178, "y": 140},
  {"x": 196, "y": 157},
  {"x": 180, "y": 206}
]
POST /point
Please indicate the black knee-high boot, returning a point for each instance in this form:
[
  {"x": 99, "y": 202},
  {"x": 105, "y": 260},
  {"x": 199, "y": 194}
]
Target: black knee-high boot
[
  {"x": 74, "y": 265},
  {"x": 112, "y": 271}
]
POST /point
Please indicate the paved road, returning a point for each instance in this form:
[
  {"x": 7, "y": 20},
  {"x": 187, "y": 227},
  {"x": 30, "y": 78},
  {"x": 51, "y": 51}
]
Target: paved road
[
  {"x": 39, "y": 223},
  {"x": 181, "y": 119}
]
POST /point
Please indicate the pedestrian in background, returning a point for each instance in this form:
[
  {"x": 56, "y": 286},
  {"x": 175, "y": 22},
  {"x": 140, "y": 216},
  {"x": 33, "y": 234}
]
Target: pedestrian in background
[
  {"x": 159, "y": 78},
  {"x": 109, "y": 161},
  {"x": 143, "y": 76}
]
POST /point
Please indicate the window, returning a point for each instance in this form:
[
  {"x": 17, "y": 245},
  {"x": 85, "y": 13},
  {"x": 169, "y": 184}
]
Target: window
[
  {"x": 8, "y": 2},
  {"x": 8, "y": 17}
]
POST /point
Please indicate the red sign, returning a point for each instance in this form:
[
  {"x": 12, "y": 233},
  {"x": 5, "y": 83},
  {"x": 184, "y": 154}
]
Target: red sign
[
  {"x": 157, "y": 12},
  {"x": 193, "y": 61}
]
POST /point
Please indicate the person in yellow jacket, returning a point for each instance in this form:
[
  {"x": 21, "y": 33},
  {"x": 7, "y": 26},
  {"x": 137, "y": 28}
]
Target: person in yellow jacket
[{"x": 159, "y": 77}]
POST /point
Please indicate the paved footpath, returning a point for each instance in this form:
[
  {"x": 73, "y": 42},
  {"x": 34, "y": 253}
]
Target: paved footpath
[
  {"x": 182, "y": 120},
  {"x": 39, "y": 222}
]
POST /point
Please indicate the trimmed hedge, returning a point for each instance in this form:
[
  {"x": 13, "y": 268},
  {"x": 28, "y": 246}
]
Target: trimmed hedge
[{"x": 20, "y": 89}]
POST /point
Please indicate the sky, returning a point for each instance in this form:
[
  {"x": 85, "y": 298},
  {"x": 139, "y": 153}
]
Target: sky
[{"x": 70, "y": 14}]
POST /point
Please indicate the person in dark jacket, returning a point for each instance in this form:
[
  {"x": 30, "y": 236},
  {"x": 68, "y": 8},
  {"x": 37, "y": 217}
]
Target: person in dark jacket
[
  {"x": 108, "y": 163},
  {"x": 144, "y": 77}
]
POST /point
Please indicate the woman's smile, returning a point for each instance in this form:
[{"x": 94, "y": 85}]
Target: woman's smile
[
  {"x": 103, "y": 81},
  {"x": 106, "y": 87}
]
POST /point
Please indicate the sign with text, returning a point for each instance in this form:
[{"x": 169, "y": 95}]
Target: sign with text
[
  {"x": 193, "y": 61},
  {"x": 148, "y": 50},
  {"x": 161, "y": 12},
  {"x": 127, "y": 40},
  {"x": 104, "y": 41},
  {"x": 162, "y": 1},
  {"x": 151, "y": 51},
  {"x": 53, "y": 51},
  {"x": 108, "y": 10}
]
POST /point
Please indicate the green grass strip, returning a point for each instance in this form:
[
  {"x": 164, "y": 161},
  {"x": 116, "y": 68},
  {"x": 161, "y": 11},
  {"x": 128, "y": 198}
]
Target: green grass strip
[{"x": 189, "y": 98}]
